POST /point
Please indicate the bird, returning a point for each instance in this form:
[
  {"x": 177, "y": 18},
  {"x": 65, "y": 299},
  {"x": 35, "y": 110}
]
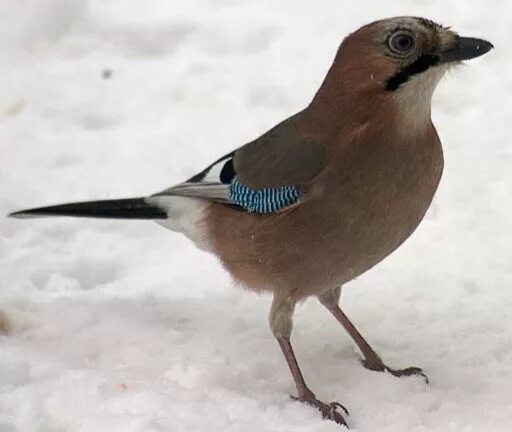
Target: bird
[{"x": 326, "y": 194}]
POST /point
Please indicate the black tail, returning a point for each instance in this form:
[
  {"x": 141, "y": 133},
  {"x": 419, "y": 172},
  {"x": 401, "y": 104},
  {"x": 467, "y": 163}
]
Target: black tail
[{"x": 132, "y": 208}]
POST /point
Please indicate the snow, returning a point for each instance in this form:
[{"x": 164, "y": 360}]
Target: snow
[{"x": 124, "y": 326}]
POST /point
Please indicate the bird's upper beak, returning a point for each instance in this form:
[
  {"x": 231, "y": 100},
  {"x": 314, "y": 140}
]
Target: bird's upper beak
[{"x": 466, "y": 48}]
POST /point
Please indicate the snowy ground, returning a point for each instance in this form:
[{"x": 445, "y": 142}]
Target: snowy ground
[{"x": 119, "y": 326}]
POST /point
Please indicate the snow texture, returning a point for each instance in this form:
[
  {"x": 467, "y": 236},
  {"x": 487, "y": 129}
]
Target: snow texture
[{"x": 126, "y": 327}]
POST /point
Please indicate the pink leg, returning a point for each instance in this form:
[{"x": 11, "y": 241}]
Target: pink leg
[
  {"x": 329, "y": 411},
  {"x": 371, "y": 359},
  {"x": 281, "y": 324}
]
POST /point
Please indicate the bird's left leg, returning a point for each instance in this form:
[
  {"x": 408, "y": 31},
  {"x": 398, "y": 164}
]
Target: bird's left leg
[
  {"x": 281, "y": 324},
  {"x": 372, "y": 360}
]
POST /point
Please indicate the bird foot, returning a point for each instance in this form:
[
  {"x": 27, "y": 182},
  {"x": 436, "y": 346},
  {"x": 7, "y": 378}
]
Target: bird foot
[
  {"x": 329, "y": 411},
  {"x": 379, "y": 366}
]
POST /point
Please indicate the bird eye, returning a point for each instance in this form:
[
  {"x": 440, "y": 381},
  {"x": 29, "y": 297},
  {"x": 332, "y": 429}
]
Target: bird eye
[{"x": 401, "y": 43}]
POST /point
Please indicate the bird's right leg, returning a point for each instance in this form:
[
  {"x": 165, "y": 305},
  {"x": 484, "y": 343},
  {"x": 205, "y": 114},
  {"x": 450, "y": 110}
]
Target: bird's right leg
[
  {"x": 372, "y": 360},
  {"x": 281, "y": 324}
]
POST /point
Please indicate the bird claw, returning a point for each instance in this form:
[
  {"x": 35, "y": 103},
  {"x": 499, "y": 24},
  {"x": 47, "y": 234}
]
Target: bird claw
[
  {"x": 410, "y": 371},
  {"x": 335, "y": 405},
  {"x": 381, "y": 367},
  {"x": 329, "y": 411}
]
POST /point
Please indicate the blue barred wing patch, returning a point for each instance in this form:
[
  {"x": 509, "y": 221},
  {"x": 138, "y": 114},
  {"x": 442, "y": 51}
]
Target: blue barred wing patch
[{"x": 262, "y": 201}]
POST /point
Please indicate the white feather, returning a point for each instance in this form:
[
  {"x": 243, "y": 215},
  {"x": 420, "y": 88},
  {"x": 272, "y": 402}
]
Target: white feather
[
  {"x": 184, "y": 215},
  {"x": 211, "y": 191},
  {"x": 213, "y": 174}
]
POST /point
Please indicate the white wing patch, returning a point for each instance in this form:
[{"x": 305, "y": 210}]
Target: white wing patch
[
  {"x": 213, "y": 173},
  {"x": 209, "y": 184}
]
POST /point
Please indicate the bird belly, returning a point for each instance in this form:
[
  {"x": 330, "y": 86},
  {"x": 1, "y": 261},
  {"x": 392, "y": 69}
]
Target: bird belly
[{"x": 323, "y": 242}]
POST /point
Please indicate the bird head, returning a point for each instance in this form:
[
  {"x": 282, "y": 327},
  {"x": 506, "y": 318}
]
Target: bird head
[{"x": 402, "y": 58}]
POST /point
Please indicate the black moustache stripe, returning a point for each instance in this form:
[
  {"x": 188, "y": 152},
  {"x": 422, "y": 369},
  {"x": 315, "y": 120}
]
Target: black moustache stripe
[{"x": 421, "y": 64}]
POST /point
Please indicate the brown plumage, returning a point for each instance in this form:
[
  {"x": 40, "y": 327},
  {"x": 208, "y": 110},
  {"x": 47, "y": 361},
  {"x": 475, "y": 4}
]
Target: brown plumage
[
  {"x": 364, "y": 204},
  {"x": 343, "y": 182}
]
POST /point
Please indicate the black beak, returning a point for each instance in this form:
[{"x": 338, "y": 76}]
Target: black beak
[{"x": 466, "y": 48}]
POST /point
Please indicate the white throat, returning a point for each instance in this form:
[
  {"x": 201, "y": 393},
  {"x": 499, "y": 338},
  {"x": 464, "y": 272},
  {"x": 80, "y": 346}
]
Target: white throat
[{"x": 414, "y": 98}]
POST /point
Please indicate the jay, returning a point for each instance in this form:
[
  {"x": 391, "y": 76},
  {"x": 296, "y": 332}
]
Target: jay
[{"x": 327, "y": 193}]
